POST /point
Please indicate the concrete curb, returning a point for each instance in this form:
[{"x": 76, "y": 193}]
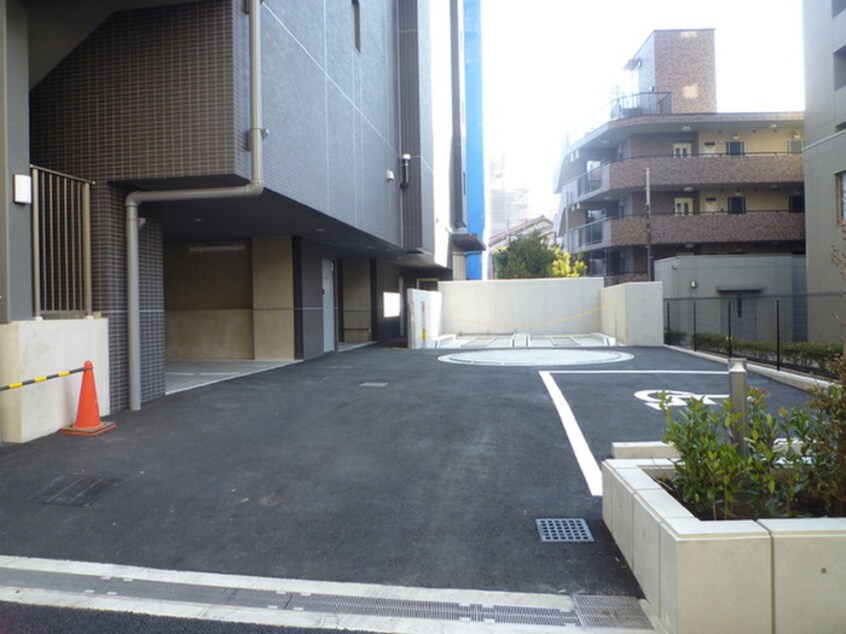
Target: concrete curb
[{"x": 792, "y": 379}]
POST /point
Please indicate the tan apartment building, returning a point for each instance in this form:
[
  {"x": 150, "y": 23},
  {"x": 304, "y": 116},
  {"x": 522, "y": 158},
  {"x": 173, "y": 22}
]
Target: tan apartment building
[{"x": 660, "y": 173}]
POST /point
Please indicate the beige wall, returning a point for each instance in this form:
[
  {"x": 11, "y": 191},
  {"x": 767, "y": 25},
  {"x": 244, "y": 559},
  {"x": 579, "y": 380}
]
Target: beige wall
[
  {"x": 539, "y": 306},
  {"x": 273, "y": 298},
  {"x": 357, "y": 300},
  {"x": 764, "y": 139},
  {"x": 208, "y": 301},
  {"x": 631, "y": 313},
  {"x": 31, "y": 349},
  {"x": 230, "y": 300}
]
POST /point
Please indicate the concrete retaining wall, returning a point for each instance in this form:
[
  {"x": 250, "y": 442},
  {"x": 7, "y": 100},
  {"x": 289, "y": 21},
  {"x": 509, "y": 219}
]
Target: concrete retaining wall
[
  {"x": 30, "y": 349},
  {"x": 631, "y": 313},
  {"x": 538, "y": 306}
]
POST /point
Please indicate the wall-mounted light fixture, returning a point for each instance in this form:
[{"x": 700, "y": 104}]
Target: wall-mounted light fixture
[
  {"x": 693, "y": 284},
  {"x": 389, "y": 175},
  {"x": 22, "y": 189},
  {"x": 405, "y": 178}
]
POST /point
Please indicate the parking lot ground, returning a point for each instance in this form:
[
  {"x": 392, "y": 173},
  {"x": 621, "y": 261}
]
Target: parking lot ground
[{"x": 378, "y": 466}]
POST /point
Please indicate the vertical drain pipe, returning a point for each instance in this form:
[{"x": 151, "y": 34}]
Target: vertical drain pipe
[{"x": 135, "y": 199}]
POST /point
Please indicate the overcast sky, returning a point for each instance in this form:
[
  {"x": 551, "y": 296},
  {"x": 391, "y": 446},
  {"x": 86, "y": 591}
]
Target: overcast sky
[{"x": 549, "y": 64}]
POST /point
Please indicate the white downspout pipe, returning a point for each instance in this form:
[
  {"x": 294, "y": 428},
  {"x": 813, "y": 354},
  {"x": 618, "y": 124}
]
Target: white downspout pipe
[{"x": 135, "y": 199}]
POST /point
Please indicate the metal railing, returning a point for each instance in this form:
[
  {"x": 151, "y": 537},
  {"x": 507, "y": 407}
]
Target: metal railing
[
  {"x": 61, "y": 244},
  {"x": 800, "y": 332},
  {"x": 623, "y": 107}
]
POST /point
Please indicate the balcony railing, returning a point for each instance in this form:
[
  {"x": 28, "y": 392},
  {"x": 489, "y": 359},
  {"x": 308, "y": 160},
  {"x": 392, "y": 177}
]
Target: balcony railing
[
  {"x": 623, "y": 107},
  {"x": 702, "y": 228},
  {"x": 61, "y": 244},
  {"x": 702, "y": 170}
]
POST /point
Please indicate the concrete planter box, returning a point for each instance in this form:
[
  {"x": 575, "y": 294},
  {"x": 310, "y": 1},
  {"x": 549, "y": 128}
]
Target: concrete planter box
[{"x": 767, "y": 576}]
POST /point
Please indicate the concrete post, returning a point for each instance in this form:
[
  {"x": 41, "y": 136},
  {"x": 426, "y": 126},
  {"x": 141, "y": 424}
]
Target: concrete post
[{"x": 738, "y": 390}]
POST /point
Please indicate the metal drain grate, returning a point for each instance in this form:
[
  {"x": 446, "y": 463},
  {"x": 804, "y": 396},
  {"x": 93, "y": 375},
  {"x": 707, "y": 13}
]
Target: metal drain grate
[
  {"x": 74, "y": 490},
  {"x": 614, "y": 612},
  {"x": 557, "y": 529}
]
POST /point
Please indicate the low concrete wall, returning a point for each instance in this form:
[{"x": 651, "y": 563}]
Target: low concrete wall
[
  {"x": 551, "y": 306},
  {"x": 424, "y": 318},
  {"x": 699, "y": 577},
  {"x": 631, "y": 313},
  {"x": 30, "y": 349}
]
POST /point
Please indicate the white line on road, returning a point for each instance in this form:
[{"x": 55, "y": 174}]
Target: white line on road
[
  {"x": 722, "y": 372},
  {"x": 584, "y": 456}
]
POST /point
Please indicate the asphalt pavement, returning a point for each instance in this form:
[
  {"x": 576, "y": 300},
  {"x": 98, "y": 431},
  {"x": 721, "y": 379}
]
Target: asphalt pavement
[{"x": 379, "y": 466}]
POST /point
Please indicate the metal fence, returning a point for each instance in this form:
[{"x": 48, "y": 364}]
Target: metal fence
[
  {"x": 801, "y": 332},
  {"x": 61, "y": 244}
]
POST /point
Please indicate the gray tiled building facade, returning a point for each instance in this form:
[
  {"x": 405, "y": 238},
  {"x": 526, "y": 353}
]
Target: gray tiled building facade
[{"x": 154, "y": 95}]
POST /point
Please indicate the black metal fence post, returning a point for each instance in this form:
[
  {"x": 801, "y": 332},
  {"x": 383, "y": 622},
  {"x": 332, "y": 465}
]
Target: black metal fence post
[
  {"x": 668, "y": 328},
  {"x": 778, "y": 335},
  {"x": 728, "y": 305},
  {"x": 694, "y": 326}
]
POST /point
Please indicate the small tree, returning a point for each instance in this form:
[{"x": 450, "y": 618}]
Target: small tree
[
  {"x": 531, "y": 256},
  {"x": 565, "y": 265}
]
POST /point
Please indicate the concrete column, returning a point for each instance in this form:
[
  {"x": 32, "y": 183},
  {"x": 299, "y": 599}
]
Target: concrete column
[
  {"x": 15, "y": 221},
  {"x": 273, "y": 298},
  {"x": 357, "y": 300}
]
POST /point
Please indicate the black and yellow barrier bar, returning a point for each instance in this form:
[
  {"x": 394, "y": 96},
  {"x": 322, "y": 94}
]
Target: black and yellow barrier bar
[{"x": 40, "y": 379}]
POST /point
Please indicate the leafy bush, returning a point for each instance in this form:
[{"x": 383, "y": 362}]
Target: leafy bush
[
  {"x": 821, "y": 357},
  {"x": 674, "y": 337},
  {"x": 789, "y": 462}
]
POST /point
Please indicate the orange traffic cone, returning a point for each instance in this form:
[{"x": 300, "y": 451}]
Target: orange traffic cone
[{"x": 88, "y": 421}]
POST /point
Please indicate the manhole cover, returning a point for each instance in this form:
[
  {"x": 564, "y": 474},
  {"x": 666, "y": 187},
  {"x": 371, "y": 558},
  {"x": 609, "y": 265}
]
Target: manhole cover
[
  {"x": 535, "y": 357},
  {"x": 557, "y": 529},
  {"x": 74, "y": 490}
]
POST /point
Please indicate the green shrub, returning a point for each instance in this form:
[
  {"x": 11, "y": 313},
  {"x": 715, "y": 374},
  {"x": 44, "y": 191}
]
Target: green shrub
[
  {"x": 674, "y": 337},
  {"x": 717, "y": 478}
]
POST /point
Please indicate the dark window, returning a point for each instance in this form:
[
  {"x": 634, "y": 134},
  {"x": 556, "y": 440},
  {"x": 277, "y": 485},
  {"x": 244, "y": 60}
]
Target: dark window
[
  {"x": 736, "y": 204},
  {"x": 841, "y": 190},
  {"x": 356, "y": 20},
  {"x": 735, "y": 148},
  {"x": 840, "y": 68},
  {"x": 797, "y": 203}
]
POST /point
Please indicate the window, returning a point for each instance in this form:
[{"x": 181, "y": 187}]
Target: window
[
  {"x": 795, "y": 146},
  {"x": 682, "y": 150},
  {"x": 391, "y": 305},
  {"x": 356, "y": 24},
  {"x": 797, "y": 203},
  {"x": 841, "y": 190},
  {"x": 735, "y": 148},
  {"x": 683, "y": 206},
  {"x": 837, "y": 7},
  {"x": 840, "y": 68},
  {"x": 736, "y": 204}
]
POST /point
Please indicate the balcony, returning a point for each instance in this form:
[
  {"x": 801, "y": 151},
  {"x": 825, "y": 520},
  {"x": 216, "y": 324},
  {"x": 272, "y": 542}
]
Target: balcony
[
  {"x": 623, "y": 107},
  {"x": 717, "y": 228},
  {"x": 712, "y": 170}
]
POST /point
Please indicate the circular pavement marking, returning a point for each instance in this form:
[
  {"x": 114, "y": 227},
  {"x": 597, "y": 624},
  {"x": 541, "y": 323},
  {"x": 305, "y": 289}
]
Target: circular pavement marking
[{"x": 535, "y": 357}]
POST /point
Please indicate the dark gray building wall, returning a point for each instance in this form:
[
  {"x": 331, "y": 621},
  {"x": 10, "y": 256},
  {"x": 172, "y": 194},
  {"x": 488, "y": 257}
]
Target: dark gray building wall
[
  {"x": 332, "y": 111},
  {"x": 15, "y": 232},
  {"x": 148, "y": 95}
]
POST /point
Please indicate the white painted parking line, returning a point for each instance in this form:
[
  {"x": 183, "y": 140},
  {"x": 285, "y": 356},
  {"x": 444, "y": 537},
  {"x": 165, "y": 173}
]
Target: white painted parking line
[
  {"x": 584, "y": 456},
  {"x": 714, "y": 372}
]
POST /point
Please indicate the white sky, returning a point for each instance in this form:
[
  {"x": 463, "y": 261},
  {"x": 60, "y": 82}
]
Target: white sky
[{"x": 548, "y": 65}]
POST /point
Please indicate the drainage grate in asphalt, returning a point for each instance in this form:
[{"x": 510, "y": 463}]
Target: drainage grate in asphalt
[
  {"x": 74, "y": 490},
  {"x": 558, "y": 529},
  {"x": 613, "y": 612}
]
